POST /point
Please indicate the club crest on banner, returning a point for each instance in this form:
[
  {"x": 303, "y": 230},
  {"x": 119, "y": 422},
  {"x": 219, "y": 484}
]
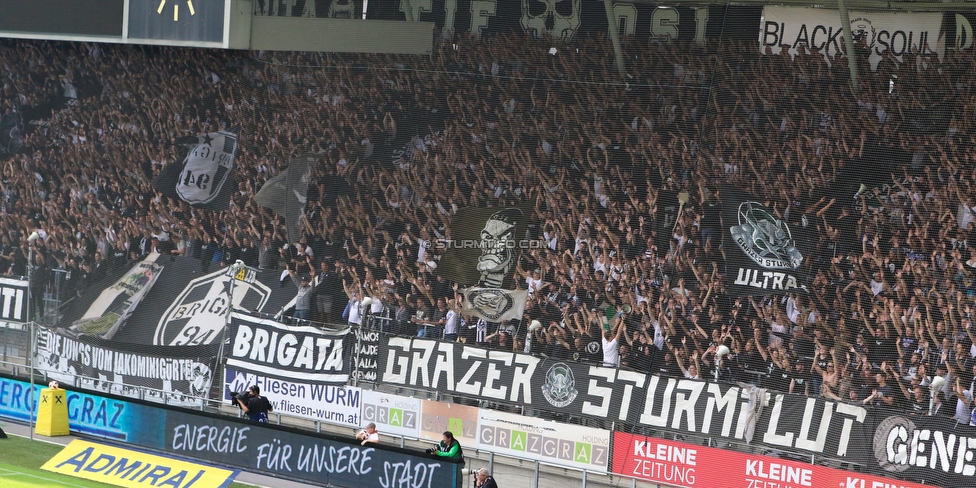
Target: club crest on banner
[
  {"x": 560, "y": 386},
  {"x": 199, "y": 313},
  {"x": 765, "y": 258},
  {"x": 764, "y": 238},
  {"x": 494, "y": 304}
]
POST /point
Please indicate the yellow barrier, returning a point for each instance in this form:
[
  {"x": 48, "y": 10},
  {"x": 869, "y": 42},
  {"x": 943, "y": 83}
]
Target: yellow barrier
[{"x": 52, "y": 413}]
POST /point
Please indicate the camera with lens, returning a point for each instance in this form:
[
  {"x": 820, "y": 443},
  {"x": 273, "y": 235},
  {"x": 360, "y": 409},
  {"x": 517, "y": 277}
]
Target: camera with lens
[
  {"x": 242, "y": 396},
  {"x": 431, "y": 450}
]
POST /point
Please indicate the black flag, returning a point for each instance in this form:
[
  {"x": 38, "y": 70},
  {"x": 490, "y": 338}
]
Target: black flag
[
  {"x": 762, "y": 255},
  {"x": 667, "y": 213},
  {"x": 204, "y": 179},
  {"x": 287, "y": 193},
  {"x": 484, "y": 246}
]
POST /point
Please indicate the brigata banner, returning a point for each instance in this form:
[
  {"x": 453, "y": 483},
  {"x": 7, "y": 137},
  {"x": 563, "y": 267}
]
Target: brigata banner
[
  {"x": 393, "y": 414},
  {"x": 300, "y": 353},
  {"x": 337, "y": 405},
  {"x": 690, "y": 465},
  {"x": 522, "y": 437},
  {"x": 802, "y": 29},
  {"x": 745, "y": 413},
  {"x": 174, "y": 375},
  {"x": 936, "y": 449}
]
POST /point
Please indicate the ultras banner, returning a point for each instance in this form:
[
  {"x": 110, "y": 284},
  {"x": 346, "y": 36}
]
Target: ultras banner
[
  {"x": 174, "y": 375},
  {"x": 743, "y": 412},
  {"x": 762, "y": 257},
  {"x": 935, "y": 449},
  {"x": 300, "y": 353}
]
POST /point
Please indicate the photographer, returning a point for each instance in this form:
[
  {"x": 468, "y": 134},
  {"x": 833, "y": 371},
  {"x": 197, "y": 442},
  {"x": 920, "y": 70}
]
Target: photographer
[
  {"x": 254, "y": 405},
  {"x": 449, "y": 447},
  {"x": 484, "y": 480},
  {"x": 369, "y": 434}
]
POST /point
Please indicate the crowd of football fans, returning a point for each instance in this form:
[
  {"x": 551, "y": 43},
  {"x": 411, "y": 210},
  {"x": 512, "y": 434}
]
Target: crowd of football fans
[{"x": 407, "y": 141}]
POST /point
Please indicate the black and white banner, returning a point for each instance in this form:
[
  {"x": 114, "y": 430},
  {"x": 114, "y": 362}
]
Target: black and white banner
[
  {"x": 667, "y": 214},
  {"x": 287, "y": 193},
  {"x": 290, "y": 352},
  {"x": 762, "y": 256},
  {"x": 175, "y": 375},
  {"x": 204, "y": 178},
  {"x": 935, "y": 449},
  {"x": 494, "y": 304},
  {"x": 13, "y": 300},
  {"x": 485, "y": 246},
  {"x": 801, "y": 30},
  {"x": 116, "y": 303},
  {"x": 780, "y": 421}
]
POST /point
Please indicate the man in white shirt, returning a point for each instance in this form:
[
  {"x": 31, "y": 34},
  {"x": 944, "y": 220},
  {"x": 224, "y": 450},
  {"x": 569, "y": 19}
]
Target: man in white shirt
[
  {"x": 964, "y": 402},
  {"x": 611, "y": 338},
  {"x": 369, "y": 434},
  {"x": 451, "y": 321}
]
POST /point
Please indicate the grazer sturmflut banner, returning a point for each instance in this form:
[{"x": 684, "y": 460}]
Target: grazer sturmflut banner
[
  {"x": 290, "y": 352},
  {"x": 204, "y": 178},
  {"x": 762, "y": 256},
  {"x": 175, "y": 375},
  {"x": 735, "y": 412}
]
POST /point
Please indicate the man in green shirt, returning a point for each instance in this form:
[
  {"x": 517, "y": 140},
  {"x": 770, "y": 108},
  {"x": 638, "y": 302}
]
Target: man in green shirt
[{"x": 449, "y": 447}]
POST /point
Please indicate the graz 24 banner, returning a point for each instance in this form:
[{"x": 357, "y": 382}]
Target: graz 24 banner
[
  {"x": 174, "y": 375},
  {"x": 762, "y": 258},
  {"x": 745, "y": 413},
  {"x": 299, "y": 353}
]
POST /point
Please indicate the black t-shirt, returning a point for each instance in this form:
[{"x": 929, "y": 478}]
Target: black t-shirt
[
  {"x": 258, "y": 408},
  {"x": 779, "y": 378},
  {"x": 558, "y": 351}
]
